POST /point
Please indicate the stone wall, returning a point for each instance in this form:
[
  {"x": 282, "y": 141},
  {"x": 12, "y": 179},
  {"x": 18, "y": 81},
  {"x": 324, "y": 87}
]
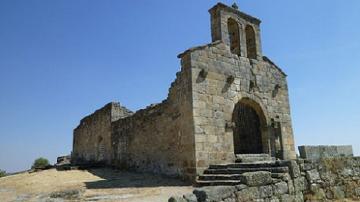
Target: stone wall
[
  {"x": 159, "y": 139},
  {"x": 92, "y": 138},
  {"x": 256, "y": 186},
  {"x": 220, "y": 80},
  {"x": 331, "y": 179},
  {"x": 324, "y": 151}
]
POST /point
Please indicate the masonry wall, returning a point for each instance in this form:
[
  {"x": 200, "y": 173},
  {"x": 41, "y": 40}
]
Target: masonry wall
[
  {"x": 92, "y": 138},
  {"x": 330, "y": 179},
  {"x": 227, "y": 79},
  {"x": 159, "y": 139}
]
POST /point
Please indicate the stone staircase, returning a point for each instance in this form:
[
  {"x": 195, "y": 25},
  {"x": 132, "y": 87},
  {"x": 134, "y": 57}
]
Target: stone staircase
[
  {"x": 231, "y": 174},
  {"x": 252, "y": 158}
]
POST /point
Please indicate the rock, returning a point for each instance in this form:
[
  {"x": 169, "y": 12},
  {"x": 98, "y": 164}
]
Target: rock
[
  {"x": 286, "y": 198},
  {"x": 312, "y": 175},
  {"x": 265, "y": 191},
  {"x": 190, "y": 198},
  {"x": 240, "y": 187},
  {"x": 176, "y": 199},
  {"x": 299, "y": 198},
  {"x": 357, "y": 192},
  {"x": 249, "y": 194},
  {"x": 338, "y": 192},
  {"x": 256, "y": 178},
  {"x": 281, "y": 188},
  {"x": 213, "y": 194},
  {"x": 299, "y": 184},
  {"x": 293, "y": 168},
  {"x": 66, "y": 194}
]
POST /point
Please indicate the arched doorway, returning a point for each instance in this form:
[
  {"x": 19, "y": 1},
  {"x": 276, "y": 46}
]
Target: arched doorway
[{"x": 249, "y": 130}]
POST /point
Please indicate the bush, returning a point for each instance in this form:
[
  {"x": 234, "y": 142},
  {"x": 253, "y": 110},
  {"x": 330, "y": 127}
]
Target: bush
[
  {"x": 40, "y": 163},
  {"x": 2, "y": 173}
]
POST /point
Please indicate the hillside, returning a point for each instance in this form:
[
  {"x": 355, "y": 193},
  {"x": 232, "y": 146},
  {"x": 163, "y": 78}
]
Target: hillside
[{"x": 101, "y": 184}]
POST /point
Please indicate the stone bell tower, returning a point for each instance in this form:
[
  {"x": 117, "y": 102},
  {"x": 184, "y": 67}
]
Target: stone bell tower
[{"x": 238, "y": 30}]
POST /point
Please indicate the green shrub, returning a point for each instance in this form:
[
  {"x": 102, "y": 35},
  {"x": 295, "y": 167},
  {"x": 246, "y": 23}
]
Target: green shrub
[
  {"x": 40, "y": 163},
  {"x": 2, "y": 173}
]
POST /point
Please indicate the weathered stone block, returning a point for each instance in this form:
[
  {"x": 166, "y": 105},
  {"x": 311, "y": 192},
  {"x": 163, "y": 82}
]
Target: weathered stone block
[
  {"x": 299, "y": 184},
  {"x": 338, "y": 192},
  {"x": 256, "y": 178},
  {"x": 216, "y": 193},
  {"x": 293, "y": 168},
  {"x": 249, "y": 194},
  {"x": 312, "y": 175},
  {"x": 265, "y": 191},
  {"x": 280, "y": 188},
  {"x": 287, "y": 198}
]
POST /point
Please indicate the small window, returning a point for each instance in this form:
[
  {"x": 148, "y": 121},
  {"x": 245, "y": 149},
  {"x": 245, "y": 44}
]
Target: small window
[
  {"x": 234, "y": 36},
  {"x": 250, "y": 42}
]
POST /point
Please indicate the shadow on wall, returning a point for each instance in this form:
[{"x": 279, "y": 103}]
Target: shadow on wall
[{"x": 123, "y": 179}]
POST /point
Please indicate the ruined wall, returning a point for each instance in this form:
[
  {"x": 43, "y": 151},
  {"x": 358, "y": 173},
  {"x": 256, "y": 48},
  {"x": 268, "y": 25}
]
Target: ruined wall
[
  {"x": 331, "y": 179},
  {"x": 220, "y": 80},
  {"x": 159, "y": 139},
  {"x": 92, "y": 138},
  {"x": 324, "y": 151}
]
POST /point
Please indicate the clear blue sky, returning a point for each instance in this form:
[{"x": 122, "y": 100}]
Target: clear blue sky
[{"x": 61, "y": 60}]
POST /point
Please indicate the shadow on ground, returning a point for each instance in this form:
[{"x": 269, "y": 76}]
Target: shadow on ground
[{"x": 113, "y": 178}]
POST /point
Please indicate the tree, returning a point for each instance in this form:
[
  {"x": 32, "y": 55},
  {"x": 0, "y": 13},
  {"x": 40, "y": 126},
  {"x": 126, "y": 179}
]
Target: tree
[
  {"x": 2, "y": 173},
  {"x": 40, "y": 163}
]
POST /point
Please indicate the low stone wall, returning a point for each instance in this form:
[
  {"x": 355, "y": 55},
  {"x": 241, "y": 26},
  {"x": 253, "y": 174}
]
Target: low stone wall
[
  {"x": 325, "y": 151},
  {"x": 330, "y": 179}
]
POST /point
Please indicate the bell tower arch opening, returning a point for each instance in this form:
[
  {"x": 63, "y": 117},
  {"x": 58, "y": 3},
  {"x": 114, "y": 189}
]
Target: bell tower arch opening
[
  {"x": 250, "y": 42},
  {"x": 234, "y": 36},
  {"x": 250, "y": 128}
]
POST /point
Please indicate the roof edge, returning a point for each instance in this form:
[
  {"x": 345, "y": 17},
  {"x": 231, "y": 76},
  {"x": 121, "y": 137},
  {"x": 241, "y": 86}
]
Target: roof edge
[{"x": 233, "y": 10}]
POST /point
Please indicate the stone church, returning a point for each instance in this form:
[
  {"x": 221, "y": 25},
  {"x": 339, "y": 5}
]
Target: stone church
[{"x": 227, "y": 100}]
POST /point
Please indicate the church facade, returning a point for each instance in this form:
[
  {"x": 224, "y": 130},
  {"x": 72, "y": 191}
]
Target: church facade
[{"x": 227, "y": 99}]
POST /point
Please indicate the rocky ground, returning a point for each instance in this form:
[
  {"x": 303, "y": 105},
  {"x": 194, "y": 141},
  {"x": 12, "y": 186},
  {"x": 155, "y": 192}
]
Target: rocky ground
[{"x": 102, "y": 184}]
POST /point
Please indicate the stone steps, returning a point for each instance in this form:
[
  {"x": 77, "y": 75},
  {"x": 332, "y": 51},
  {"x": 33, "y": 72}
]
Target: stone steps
[
  {"x": 202, "y": 183},
  {"x": 245, "y": 170},
  {"x": 207, "y": 177},
  {"x": 250, "y": 158},
  {"x": 232, "y": 173},
  {"x": 247, "y": 165}
]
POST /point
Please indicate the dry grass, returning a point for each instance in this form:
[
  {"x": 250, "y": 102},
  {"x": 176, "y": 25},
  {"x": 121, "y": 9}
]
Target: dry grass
[{"x": 96, "y": 184}]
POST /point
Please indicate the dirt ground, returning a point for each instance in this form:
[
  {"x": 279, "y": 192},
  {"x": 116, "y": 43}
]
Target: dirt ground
[{"x": 101, "y": 184}]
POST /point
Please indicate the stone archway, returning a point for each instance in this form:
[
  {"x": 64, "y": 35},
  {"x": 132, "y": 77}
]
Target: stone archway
[{"x": 250, "y": 131}]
